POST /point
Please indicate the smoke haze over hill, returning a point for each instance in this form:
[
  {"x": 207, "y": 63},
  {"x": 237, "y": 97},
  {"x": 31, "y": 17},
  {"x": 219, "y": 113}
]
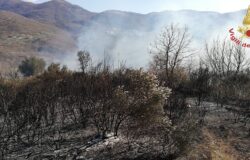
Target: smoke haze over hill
[{"x": 124, "y": 36}]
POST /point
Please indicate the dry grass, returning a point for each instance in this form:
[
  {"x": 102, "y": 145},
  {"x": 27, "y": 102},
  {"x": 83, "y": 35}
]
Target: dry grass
[
  {"x": 221, "y": 137},
  {"x": 220, "y": 149},
  {"x": 214, "y": 148}
]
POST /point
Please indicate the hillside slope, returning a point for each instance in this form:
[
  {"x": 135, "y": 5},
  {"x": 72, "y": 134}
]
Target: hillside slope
[
  {"x": 21, "y": 37},
  {"x": 113, "y": 31},
  {"x": 56, "y": 12}
]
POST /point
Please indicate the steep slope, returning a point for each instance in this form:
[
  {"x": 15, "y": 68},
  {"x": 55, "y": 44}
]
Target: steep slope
[
  {"x": 61, "y": 14},
  {"x": 16, "y": 6},
  {"x": 21, "y": 37},
  {"x": 73, "y": 18},
  {"x": 56, "y": 12}
]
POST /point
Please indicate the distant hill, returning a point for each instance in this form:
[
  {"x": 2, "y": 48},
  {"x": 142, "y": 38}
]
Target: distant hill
[
  {"x": 21, "y": 37},
  {"x": 16, "y": 6},
  {"x": 125, "y": 36},
  {"x": 56, "y": 12}
]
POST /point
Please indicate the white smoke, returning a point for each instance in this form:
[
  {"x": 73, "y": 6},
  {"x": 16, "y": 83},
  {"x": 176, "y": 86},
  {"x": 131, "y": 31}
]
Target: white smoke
[{"x": 125, "y": 37}]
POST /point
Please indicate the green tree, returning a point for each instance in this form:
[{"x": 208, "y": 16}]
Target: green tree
[{"x": 32, "y": 66}]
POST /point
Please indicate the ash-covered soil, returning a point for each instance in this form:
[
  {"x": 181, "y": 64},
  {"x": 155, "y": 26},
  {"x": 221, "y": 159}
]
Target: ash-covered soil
[{"x": 224, "y": 136}]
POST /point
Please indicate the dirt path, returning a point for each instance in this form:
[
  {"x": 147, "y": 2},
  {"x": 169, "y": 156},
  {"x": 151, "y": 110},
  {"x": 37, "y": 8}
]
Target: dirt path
[
  {"x": 214, "y": 148},
  {"x": 218, "y": 148},
  {"x": 222, "y": 139}
]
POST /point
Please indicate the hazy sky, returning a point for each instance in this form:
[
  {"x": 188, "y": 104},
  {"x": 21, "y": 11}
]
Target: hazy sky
[{"x": 146, "y": 6}]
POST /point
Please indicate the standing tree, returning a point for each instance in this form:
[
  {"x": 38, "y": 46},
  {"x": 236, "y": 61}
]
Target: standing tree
[
  {"x": 199, "y": 80},
  {"x": 32, "y": 66},
  {"x": 226, "y": 62},
  {"x": 84, "y": 59},
  {"x": 54, "y": 68},
  {"x": 169, "y": 51}
]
